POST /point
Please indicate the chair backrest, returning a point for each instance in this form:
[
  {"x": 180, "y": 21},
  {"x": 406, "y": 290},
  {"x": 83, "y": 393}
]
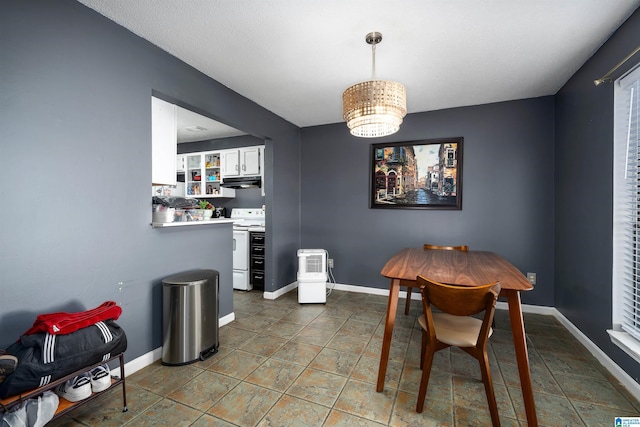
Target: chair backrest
[
  {"x": 459, "y": 300},
  {"x": 457, "y": 327},
  {"x": 463, "y": 248}
]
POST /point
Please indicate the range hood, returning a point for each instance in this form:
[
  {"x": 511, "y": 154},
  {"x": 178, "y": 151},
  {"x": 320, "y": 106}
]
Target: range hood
[{"x": 242, "y": 182}]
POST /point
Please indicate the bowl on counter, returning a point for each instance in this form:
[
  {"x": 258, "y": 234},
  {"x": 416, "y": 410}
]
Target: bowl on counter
[{"x": 164, "y": 215}]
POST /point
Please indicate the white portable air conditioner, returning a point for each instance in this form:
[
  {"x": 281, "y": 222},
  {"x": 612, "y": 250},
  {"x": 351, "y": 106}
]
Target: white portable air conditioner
[{"x": 312, "y": 276}]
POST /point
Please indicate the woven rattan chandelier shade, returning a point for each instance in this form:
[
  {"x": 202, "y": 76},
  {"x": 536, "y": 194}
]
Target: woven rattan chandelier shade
[{"x": 374, "y": 108}]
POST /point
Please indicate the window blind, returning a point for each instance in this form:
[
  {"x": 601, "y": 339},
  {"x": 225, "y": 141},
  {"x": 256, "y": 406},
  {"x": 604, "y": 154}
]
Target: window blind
[{"x": 626, "y": 236}]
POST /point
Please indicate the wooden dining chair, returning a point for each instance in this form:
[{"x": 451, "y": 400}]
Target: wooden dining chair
[
  {"x": 427, "y": 247},
  {"x": 453, "y": 325}
]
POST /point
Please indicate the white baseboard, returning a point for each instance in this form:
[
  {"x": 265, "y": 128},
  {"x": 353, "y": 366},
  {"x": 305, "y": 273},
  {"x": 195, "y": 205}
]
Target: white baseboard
[
  {"x": 224, "y": 320},
  {"x": 534, "y": 309},
  {"x": 625, "y": 379},
  {"x": 363, "y": 289},
  {"x": 280, "y": 292},
  {"x": 143, "y": 361},
  {"x": 156, "y": 354}
]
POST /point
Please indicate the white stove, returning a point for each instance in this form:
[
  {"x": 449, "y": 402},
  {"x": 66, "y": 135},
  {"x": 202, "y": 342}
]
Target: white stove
[
  {"x": 248, "y": 219},
  {"x": 245, "y": 220}
]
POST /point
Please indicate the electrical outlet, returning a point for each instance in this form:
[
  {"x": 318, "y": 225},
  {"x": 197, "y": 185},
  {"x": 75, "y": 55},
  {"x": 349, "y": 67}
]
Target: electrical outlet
[
  {"x": 531, "y": 277},
  {"x": 330, "y": 262}
]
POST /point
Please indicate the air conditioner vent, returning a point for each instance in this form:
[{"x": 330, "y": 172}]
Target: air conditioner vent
[{"x": 195, "y": 129}]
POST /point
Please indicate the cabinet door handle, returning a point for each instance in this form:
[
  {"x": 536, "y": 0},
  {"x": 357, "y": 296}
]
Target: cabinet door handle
[{"x": 244, "y": 167}]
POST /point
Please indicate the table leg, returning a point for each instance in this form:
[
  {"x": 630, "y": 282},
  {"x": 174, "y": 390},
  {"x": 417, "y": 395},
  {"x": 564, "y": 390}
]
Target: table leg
[
  {"x": 520, "y": 342},
  {"x": 392, "y": 305},
  {"x": 407, "y": 303}
]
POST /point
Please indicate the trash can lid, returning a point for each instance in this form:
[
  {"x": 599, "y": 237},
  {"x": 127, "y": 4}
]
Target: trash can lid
[{"x": 193, "y": 277}]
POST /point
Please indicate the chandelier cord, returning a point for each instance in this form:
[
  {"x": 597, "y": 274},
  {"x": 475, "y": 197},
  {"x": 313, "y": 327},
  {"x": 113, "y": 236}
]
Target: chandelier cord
[{"x": 373, "y": 62}]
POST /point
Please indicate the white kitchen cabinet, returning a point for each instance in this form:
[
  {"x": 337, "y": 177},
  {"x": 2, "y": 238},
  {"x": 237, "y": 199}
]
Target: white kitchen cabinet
[
  {"x": 250, "y": 161},
  {"x": 202, "y": 176},
  {"x": 230, "y": 162},
  {"x": 180, "y": 163},
  {"x": 164, "y": 134},
  {"x": 246, "y": 161}
]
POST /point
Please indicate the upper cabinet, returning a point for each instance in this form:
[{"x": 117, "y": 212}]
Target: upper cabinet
[
  {"x": 245, "y": 161},
  {"x": 164, "y": 142},
  {"x": 230, "y": 162},
  {"x": 202, "y": 176},
  {"x": 181, "y": 163},
  {"x": 251, "y": 161}
]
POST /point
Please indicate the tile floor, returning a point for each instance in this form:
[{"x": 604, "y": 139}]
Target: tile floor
[{"x": 285, "y": 364}]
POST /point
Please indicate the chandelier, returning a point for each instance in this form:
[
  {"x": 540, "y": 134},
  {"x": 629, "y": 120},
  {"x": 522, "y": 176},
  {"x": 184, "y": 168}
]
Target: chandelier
[{"x": 374, "y": 108}]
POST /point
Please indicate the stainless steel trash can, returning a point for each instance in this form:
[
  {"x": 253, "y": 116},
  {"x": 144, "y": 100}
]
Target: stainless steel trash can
[{"x": 190, "y": 309}]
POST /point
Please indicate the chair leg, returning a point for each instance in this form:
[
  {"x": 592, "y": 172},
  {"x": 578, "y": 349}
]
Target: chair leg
[
  {"x": 488, "y": 388},
  {"x": 424, "y": 381},
  {"x": 423, "y": 348},
  {"x": 408, "y": 303}
]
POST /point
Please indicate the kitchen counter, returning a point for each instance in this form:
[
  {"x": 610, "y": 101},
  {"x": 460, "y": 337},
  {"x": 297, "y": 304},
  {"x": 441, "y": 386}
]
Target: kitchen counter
[{"x": 210, "y": 222}]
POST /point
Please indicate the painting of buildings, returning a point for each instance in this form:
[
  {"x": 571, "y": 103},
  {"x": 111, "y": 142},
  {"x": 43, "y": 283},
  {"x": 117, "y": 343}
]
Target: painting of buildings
[{"x": 418, "y": 174}]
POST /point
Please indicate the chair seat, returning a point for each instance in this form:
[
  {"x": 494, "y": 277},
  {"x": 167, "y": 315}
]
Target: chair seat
[{"x": 458, "y": 331}]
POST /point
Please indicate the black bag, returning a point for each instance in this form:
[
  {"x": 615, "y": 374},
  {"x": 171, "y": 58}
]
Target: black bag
[{"x": 43, "y": 357}]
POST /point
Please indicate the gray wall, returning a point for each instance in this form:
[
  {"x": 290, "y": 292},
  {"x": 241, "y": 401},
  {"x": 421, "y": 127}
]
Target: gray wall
[
  {"x": 584, "y": 193},
  {"x": 75, "y": 168},
  {"x": 507, "y": 202}
]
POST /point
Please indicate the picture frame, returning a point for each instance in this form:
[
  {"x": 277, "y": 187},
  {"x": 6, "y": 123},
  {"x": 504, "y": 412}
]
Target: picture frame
[{"x": 424, "y": 174}]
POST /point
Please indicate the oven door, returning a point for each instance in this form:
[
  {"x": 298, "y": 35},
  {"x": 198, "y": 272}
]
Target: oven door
[{"x": 240, "y": 250}]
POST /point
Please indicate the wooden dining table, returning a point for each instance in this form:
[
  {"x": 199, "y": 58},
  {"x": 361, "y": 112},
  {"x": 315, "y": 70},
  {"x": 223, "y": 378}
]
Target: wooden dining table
[{"x": 461, "y": 268}]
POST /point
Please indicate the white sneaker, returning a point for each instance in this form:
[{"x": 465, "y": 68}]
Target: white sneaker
[
  {"x": 75, "y": 389},
  {"x": 100, "y": 378}
]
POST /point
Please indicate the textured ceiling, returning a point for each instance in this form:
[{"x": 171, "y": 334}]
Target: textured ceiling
[
  {"x": 296, "y": 57},
  {"x": 195, "y": 127}
]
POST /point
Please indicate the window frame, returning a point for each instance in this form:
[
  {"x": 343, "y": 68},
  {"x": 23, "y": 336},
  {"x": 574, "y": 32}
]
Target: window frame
[{"x": 625, "y": 332}]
